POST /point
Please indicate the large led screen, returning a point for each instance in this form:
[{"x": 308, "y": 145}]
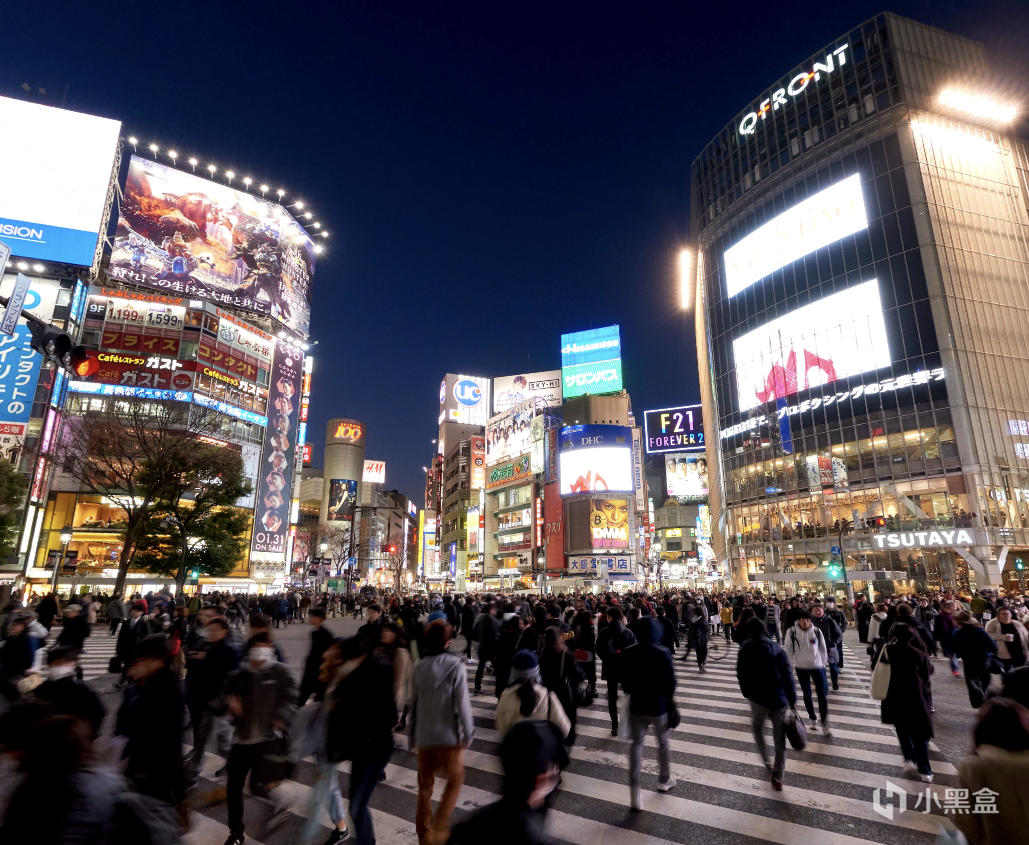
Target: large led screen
[
  {"x": 200, "y": 239},
  {"x": 56, "y": 168},
  {"x": 818, "y": 221},
  {"x": 509, "y": 391},
  {"x": 464, "y": 399},
  {"x": 595, "y": 459},
  {"x": 835, "y": 337},
  {"x": 509, "y": 435},
  {"x": 609, "y": 523},
  {"x": 342, "y": 499},
  {"x": 591, "y": 362},
  {"x": 678, "y": 429},
  {"x": 686, "y": 477}
]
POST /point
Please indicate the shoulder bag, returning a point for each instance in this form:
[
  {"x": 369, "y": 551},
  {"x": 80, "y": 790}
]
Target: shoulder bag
[
  {"x": 796, "y": 733},
  {"x": 880, "y": 682}
]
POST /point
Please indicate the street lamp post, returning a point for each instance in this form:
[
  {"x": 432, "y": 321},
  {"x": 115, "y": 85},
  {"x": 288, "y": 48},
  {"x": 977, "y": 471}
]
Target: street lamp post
[
  {"x": 66, "y": 535},
  {"x": 323, "y": 547},
  {"x": 844, "y": 525}
]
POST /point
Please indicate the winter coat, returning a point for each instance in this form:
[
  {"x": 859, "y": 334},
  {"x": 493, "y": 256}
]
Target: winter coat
[
  {"x": 487, "y": 630},
  {"x": 831, "y": 633},
  {"x": 267, "y": 695},
  {"x": 972, "y": 644},
  {"x": 547, "y": 708},
  {"x": 321, "y": 639},
  {"x": 75, "y": 631},
  {"x": 612, "y": 642},
  {"x": 647, "y": 673},
  {"x": 561, "y": 674},
  {"x": 362, "y": 711},
  {"x": 908, "y": 697},
  {"x": 205, "y": 678},
  {"x": 874, "y": 624},
  {"x": 993, "y": 629},
  {"x": 806, "y": 649},
  {"x": 70, "y": 696},
  {"x": 1006, "y": 773},
  {"x": 115, "y": 609},
  {"x": 441, "y": 709},
  {"x": 944, "y": 628},
  {"x": 86, "y": 802},
  {"x": 765, "y": 674}
]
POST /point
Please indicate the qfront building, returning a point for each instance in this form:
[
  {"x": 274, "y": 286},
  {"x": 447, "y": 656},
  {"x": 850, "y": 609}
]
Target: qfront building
[{"x": 862, "y": 268}]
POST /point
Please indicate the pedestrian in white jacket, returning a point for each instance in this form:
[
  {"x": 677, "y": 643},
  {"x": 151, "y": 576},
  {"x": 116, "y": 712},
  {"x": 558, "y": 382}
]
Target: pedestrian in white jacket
[{"x": 805, "y": 646}]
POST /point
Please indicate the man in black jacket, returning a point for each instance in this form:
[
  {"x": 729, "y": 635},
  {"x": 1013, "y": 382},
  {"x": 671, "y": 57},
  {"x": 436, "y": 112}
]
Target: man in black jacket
[
  {"x": 208, "y": 664},
  {"x": 766, "y": 680},
  {"x": 614, "y": 639},
  {"x": 487, "y": 632},
  {"x": 833, "y": 637},
  {"x": 133, "y": 631},
  {"x": 468, "y": 611},
  {"x": 863, "y": 614},
  {"x": 321, "y": 639},
  {"x": 65, "y": 693}
]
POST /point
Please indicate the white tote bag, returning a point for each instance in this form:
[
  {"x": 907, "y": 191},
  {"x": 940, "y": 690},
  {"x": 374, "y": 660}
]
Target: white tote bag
[{"x": 880, "y": 677}]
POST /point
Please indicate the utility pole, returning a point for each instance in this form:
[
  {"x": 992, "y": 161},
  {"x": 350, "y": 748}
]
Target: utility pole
[{"x": 844, "y": 526}]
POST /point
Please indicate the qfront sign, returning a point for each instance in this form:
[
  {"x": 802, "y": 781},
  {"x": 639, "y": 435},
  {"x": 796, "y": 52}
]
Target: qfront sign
[
  {"x": 781, "y": 96},
  {"x": 923, "y": 539}
]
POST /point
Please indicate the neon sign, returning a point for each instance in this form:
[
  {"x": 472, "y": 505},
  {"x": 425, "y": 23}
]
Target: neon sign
[
  {"x": 351, "y": 431},
  {"x": 793, "y": 89}
]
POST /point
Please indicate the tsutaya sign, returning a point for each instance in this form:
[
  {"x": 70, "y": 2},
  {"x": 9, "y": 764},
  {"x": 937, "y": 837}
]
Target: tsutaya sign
[
  {"x": 793, "y": 88},
  {"x": 921, "y": 539}
]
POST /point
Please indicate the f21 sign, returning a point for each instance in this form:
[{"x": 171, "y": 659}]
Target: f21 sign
[{"x": 679, "y": 429}]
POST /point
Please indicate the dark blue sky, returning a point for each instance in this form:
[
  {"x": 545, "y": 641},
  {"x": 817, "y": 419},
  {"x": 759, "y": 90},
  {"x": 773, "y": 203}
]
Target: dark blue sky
[{"x": 492, "y": 173}]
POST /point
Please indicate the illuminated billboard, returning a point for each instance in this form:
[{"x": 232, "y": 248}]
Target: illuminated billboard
[
  {"x": 595, "y": 459},
  {"x": 609, "y": 523},
  {"x": 591, "y": 362},
  {"x": 342, "y": 499},
  {"x": 840, "y": 335},
  {"x": 678, "y": 429},
  {"x": 183, "y": 234},
  {"x": 509, "y": 435},
  {"x": 56, "y": 168},
  {"x": 346, "y": 431},
  {"x": 686, "y": 477},
  {"x": 509, "y": 391},
  {"x": 464, "y": 399},
  {"x": 374, "y": 472},
  {"x": 820, "y": 220},
  {"x": 478, "y": 470}
]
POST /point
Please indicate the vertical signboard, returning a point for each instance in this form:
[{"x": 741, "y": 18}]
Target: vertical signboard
[
  {"x": 478, "y": 471},
  {"x": 553, "y": 527},
  {"x": 637, "y": 468},
  {"x": 278, "y": 456}
]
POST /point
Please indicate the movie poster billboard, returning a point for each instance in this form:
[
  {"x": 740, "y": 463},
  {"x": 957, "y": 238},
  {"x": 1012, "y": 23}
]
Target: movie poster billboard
[
  {"x": 509, "y": 435},
  {"x": 686, "y": 477},
  {"x": 509, "y": 391},
  {"x": 190, "y": 236},
  {"x": 342, "y": 499},
  {"x": 278, "y": 456}
]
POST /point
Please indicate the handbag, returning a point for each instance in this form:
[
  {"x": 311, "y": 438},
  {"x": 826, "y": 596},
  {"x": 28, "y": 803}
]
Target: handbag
[
  {"x": 796, "y": 733},
  {"x": 880, "y": 681}
]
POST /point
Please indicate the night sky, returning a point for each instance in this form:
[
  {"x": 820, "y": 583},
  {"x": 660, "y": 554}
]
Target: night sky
[{"x": 492, "y": 174}]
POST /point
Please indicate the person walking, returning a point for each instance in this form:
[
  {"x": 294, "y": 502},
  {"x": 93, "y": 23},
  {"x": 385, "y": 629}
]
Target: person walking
[
  {"x": 65, "y": 694},
  {"x": 1011, "y": 637},
  {"x": 806, "y": 649},
  {"x": 561, "y": 675},
  {"x": 908, "y": 702},
  {"x": 441, "y": 728},
  {"x": 863, "y": 614},
  {"x": 74, "y": 627},
  {"x": 260, "y": 697},
  {"x": 115, "y": 611},
  {"x": 584, "y": 647},
  {"x": 765, "y": 676},
  {"x": 649, "y": 679},
  {"x": 978, "y": 652},
  {"x": 612, "y": 642},
  {"x": 321, "y": 639},
  {"x": 487, "y": 632},
  {"x": 46, "y": 611},
  {"x": 209, "y": 662},
  {"x": 527, "y": 698},
  {"x": 833, "y": 635},
  {"x": 697, "y": 636},
  {"x": 468, "y": 614},
  {"x": 944, "y": 628}
]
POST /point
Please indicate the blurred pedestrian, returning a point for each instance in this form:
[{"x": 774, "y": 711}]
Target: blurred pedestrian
[{"x": 908, "y": 702}]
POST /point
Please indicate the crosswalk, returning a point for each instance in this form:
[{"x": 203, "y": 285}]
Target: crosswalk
[{"x": 722, "y": 792}]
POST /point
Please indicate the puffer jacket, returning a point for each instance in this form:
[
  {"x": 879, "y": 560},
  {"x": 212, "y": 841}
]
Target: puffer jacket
[
  {"x": 441, "y": 709},
  {"x": 873, "y": 625},
  {"x": 806, "y": 649},
  {"x": 267, "y": 695}
]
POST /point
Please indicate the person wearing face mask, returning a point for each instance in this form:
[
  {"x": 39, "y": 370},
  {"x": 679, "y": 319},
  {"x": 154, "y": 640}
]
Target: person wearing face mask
[
  {"x": 260, "y": 696},
  {"x": 208, "y": 664},
  {"x": 65, "y": 693},
  {"x": 805, "y": 646}
]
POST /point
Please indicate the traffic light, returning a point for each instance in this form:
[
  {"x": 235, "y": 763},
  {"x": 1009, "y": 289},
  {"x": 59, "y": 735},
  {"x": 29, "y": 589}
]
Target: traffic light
[
  {"x": 391, "y": 549},
  {"x": 834, "y": 570},
  {"x": 1019, "y": 564},
  {"x": 57, "y": 347},
  {"x": 877, "y": 521},
  {"x": 195, "y": 574}
]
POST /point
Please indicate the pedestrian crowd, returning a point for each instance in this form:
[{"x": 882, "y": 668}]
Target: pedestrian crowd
[{"x": 205, "y": 674}]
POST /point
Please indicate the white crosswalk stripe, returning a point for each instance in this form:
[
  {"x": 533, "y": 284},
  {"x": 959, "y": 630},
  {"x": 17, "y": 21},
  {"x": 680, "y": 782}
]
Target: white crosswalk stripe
[
  {"x": 722, "y": 788},
  {"x": 96, "y": 654}
]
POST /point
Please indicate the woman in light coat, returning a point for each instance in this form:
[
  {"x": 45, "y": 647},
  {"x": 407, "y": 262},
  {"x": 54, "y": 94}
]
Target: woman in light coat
[
  {"x": 1011, "y": 637},
  {"x": 527, "y": 698}
]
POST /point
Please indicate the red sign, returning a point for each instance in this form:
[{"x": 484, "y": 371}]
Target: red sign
[
  {"x": 307, "y": 454},
  {"x": 553, "y": 527}
]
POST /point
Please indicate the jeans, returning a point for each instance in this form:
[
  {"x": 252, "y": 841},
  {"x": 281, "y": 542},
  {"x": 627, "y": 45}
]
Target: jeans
[
  {"x": 326, "y": 792},
  {"x": 204, "y": 723},
  {"x": 612, "y": 702},
  {"x": 806, "y": 676},
  {"x": 915, "y": 749},
  {"x": 758, "y": 714},
  {"x": 638, "y": 729},
  {"x": 839, "y": 654},
  {"x": 115, "y": 624},
  {"x": 447, "y": 761},
  {"x": 834, "y": 675},
  {"x": 484, "y": 658},
  {"x": 242, "y": 759},
  {"x": 364, "y": 777}
]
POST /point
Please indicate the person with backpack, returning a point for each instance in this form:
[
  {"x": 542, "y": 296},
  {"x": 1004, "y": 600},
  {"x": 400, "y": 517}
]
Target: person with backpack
[
  {"x": 806, "y": 649},
  {"x": 612, "y": 641},
  {"x": 527, "y": 699},
  {"x": 765, "y": 676},
  {"x": 833, "y": 636}
]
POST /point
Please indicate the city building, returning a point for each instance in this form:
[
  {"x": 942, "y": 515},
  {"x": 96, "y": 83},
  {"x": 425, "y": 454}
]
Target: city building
[{"x": 861, "y": 243}]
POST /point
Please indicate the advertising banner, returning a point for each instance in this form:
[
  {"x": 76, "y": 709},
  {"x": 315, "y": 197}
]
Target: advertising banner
[
  {"x": 595, "y": 459},
  {"x": 478, "y": 472},
  {"x": 537, "y": 450},
  {"x": 686, "y": 477},
  {"x": 374, "y": 472},
  {"x": 250, "y": 453},
  {"x": 599, "y": 566},
  {"x": 473, "y": 530},
  {"x": 56, "y": 167},
  {"x": 20, "y": 364},
  {"x": 181, "y": 233},
  {"x": 278, "y": 456},
  {"x": 553, "y": 530},
  {"x": 609, "y": 523},
  {"x": 509, "y": 435},
  {"x": 591, "y": 362},
  {"x": 830, "y": 474},
  {"x": 840, "y": 335},
  {"x": 678, "y": 429},
  {"x": 509, "y": 391},
  {"x": 509, "y": 473},
  {"x": 301, "y": 546},
  {"x": 464, "y": 399},
  {"x": 821, "y": 219},
  {"x": 342, "y": 499},
  {"x": 638, "y": 481}
]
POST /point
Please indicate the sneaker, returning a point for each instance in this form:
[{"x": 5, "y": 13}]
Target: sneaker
[
  {"x": 471, "y": 661},
  {"x": 826, "y": 732},
  {"x": 926, "y": 778},
  {"x": 814, "y": 724},
  {"x": 910, "y": 770},
  {"x": 667, "y": 786},
  {"x": 701, "y": 668},
  {"x": 956, "y": 673},
  {"x": 338, "y": 836},
  {"x": 635, "y": 804}
]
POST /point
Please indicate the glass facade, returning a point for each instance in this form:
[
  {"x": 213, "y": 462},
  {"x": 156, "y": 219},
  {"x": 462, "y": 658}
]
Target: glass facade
[{"x": 851, "y": 268}]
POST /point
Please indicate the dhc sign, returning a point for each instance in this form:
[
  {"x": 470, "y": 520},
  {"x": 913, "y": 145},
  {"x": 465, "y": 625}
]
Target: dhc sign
[
  {"x": 837, "y": 58},
  {"x": 922, "y": 539}
]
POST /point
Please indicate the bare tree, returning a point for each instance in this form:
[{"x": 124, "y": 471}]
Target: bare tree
[
  {"x": 396, "y": 564},
  {"x": 134, "y": 454}
]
